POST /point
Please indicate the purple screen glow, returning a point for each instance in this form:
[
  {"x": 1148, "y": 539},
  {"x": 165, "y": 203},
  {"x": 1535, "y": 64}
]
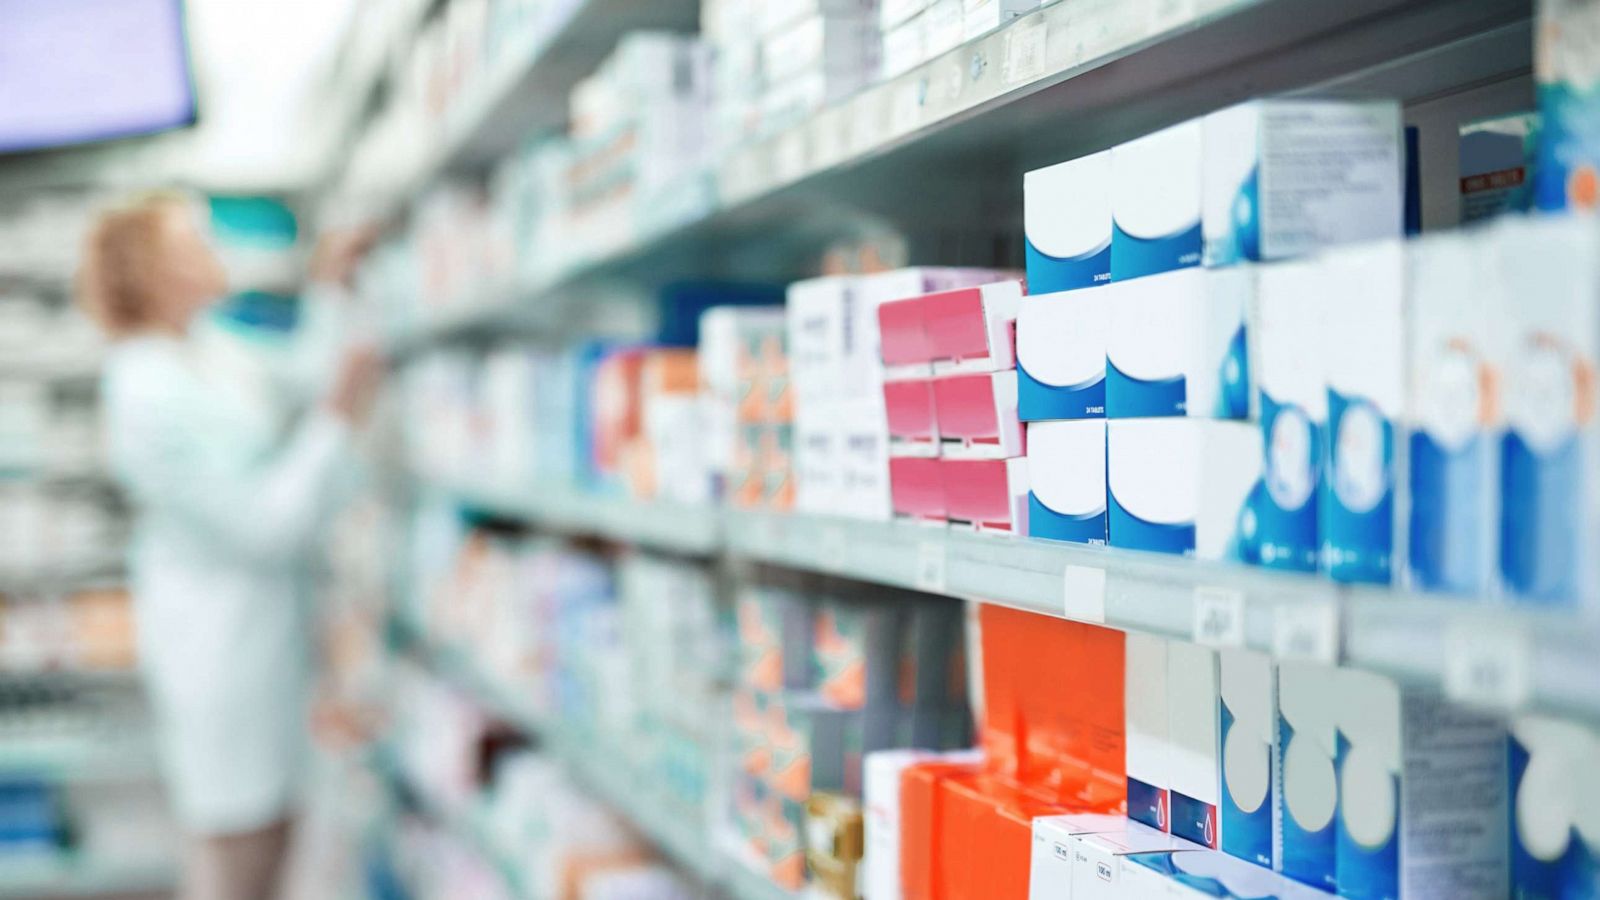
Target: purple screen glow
[{"x": 75, "y": 71}]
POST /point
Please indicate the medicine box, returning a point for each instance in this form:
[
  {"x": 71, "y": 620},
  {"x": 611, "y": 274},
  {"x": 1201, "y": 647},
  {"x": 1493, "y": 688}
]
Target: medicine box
[
  {"x": 1183, "y": 486},
  {"x": 1217, "y": 380},
  {"x": 1151, "y": 343},
  {"x": 1288, "y": 177},
  {"x": 910, "y": 416},
  {"x": 1413, "y": 769},
  {"x": 1361, "y": 290},
  {"x": 1498, "y": 161},
  {"x": 983, "y": 16},
  {"x": 973, "y": 329},
  {"x": 1156, "y": 202},
  {"x": 1309, "y": 701},
  {"x": 1097, "y": 859},
  {"x": 977, "y": 415},
  {"x": 1067, "y": 480},
  {"x": 1547, "y": 311},
  {"x": 1067, "y": 224},
  {"x": 1148, "y": 742},
  {"x": 1247, "y": 725},
  {"x": 991, "y": 494},
  {"x": 1193, "y": 742},
  {"x": 916, "y": 488},
  {"x": 1289, "y": 342},
  {"x": 1569, "y": 104},
  {"x": 1555, "y": 848},
  {"x": 1061, "y": 355},
  {"x": 1452, "y": 417},
  {"x": 1197, "y": 874}
]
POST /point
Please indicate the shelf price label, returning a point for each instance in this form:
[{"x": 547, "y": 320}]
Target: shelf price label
[
  {"x": 1306, "y": 631},
  {"x": 1024, "y": 55},
  {"x": 1487, "y": 666},
  {"x": 930, "y": 575},
  {"x": 1218, "y": 617},
  {"x": 1084, "y": 594}
]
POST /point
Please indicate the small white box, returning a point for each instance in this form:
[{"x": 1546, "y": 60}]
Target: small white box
[
  {"x": 1453, "y": 419},
  {"x": 1287, "y": 177},
  {"x": 1151, "y": 344},
  {"x": 1414, "y": 768},
  {"x": 983, "y": 16},
  {"x": 881, "y": 771},
  {"x": 1050, "y": 861},
  {"x": 1061, "y": 356},
  {"x": 814, "y": 319},
  {"x": 1148, "y": 746},
  {"x": 1097, "y": 858},
  {"x": 1288, "y": 341},
  {"x": 1547, "y": 312},
  {"x": 1308, "y": 717},
  {"x": 1554, "y": 843},
  {"x": 1066, "y": 210},
  {"x": 1248, "y": 692},
  {"x": 1218, "y": 384},
  {"x": 819, "y": 43},
  {"x": 1361, "y": 289},
  {"x": 1206, "y": 875},
  {"x": 1183, "y": 486},
  {"x": 863, "y": 460},
  {"x": 1155, "y": 202},
  {"x": 1194, "y": 745},
  {"x": 1067, "y": 476}
]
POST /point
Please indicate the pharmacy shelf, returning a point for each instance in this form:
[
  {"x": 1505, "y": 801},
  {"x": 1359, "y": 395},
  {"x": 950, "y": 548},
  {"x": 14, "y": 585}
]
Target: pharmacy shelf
[
  {"x": 50, "y": 581},
  {"x": 118, "y": 761},
  {"x": 1478, "y": 652},
  {"x": 946, "y": 144},
  {"x": 81, "y": 877}
]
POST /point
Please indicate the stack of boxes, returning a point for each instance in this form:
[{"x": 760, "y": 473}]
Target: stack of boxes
[
  {"x": 748, "y": 409},
  {"x": 950, "y": 396},
  {"x": 826, "y": 675},
  {"x": 813, "y": 52}
]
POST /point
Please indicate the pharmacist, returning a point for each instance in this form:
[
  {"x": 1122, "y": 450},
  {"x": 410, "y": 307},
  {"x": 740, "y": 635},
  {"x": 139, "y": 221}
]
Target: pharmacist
[{"x": 228, "y": 485}]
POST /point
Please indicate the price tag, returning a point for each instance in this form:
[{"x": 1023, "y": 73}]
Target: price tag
[
  {"x": 1024, "y": 55},
  {"x": 833, "y": 546},
  {"x": 1487, "y": 666},
  {"x": 1084, "y": 594},
  {"x": 1307, "y": 631},
  {"x": 931, "y": 567},
  {"x": 1218, "y": 617}
]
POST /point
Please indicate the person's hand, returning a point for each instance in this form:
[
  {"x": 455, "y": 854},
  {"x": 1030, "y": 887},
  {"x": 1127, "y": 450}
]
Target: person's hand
[
  {"x": 355, "y": 388},
  {"x": 337, "y": 253}
]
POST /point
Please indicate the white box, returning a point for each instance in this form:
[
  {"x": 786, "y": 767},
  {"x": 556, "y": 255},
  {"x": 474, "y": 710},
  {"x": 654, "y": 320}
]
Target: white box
[
  {"x": 1287, "y": 177},
  {"x": 1361, "y": 289},
  {"x": 1148, "y": 747},
  {"x": 1151, "y": 343},
  {"x": 1067, "y": 476},
  {"x": 895, "y": 12},
  {"x": 773, "y": 15},
  {"x": 1050, "y": 861},
  {"x": 1183, "y": 486},
  {"x": 814, "y": 319},
  {"x": 1452, "y": 417},
  {"x": 942, "y": 27},
  {"x": 1288, "y": 342},
  {"x": 1194, "y": 745},
  {"x": 863, "y": 460},
  {"x": 1308, "y": 717},
  {"x": 819, "y": 43},
  {"x": 905, "y": 47},
  {"x": 1248, "y": 694},
  {"x": 1066, "y": 210},
  {"x": 1155, "y": 202},
  {"x": 1206, "y": 875},
  {"x": 1422, "y": 794},
  {"x": 1061, "y": 356},
  {"x": 1217, "y": 383},
  {"x": 1554, "y": 842},
  {"x": 1547, "y": 313},
  {"x": 881, "y": 771},
  {"x": 1097, "y": 858},
  {"x": 979, "y": 17}
]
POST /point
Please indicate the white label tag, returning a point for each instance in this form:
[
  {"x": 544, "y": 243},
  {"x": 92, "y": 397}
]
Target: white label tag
[
  {"x": 1487, "y": 666},
  {"x": 1306, "y": 631},
  {"x": 931, "y": 567},
  {"x": 832, "y": 544},
  {"x": 1218, "y": 617},
  {"x": 1084, "y": 594},
  {"x": 1024, "y": 52}
]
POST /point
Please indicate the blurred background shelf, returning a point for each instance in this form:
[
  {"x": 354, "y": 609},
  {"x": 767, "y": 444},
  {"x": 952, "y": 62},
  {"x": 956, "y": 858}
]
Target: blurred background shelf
[{"x": 82, "y": 877}]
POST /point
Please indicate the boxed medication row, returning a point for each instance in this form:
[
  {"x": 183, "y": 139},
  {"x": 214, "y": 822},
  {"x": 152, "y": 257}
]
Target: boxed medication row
[{"x": 986, "y": 494}]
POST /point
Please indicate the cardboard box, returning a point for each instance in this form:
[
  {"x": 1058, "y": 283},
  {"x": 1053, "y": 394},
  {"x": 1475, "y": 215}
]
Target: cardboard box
[
  {"x": 1067, "y": 223},
  {"x": 1156, "y": 202},
  {"x": 1551, "y": 763},
  {"x": 990, "y": 494},
  {"x": 1149, "y": 759},
  {"x": 1289, "y": 339},
  {"x": 1309, "y": 701},
  {"x": 977, "y": 415},
  {"x": 1067, "y": 481},
  {"x": 1061, "y": 355},
  {"x": 1568, "y": 99},
  {"x": 1248, "y": 713},
  {"x": 973, "y": 329}
]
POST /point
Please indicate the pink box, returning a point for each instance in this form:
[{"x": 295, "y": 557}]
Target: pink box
[
  {"x": 916, "y": 486},
  {"x": 974, "y": 327},
  {"x": 909, "y": 408},
  {"x": 992, "y": 494},
  {"x": 979, "y": 410},
  {"x": 902, "y": 333}
]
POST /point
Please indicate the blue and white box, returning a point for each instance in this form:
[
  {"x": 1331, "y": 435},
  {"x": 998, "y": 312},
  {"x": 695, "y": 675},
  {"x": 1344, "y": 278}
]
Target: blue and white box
[
  {"x": 1146, "y": 749},
  {"x": 1452, "y": 418},
  {"x": 1422, "y": 800},
  {"x": 1247, "y": 713},
  {"x": 1361, "y": 289},
  {"x": 1217, "y": 382},
  {"x": 1289, "y": 341},
  {"x": 1183, "y": 486},
  {"x": 1308, "y": 708},
  {"x": 1066, "y": 213},
  {"x": 1151, "y": 344},
  {"x": 1547, "y": 310},
  {"x": 1568, "y": 86},
  {"x": 1061, "y": 356},
  {"x": 1555, "y": 809},
  {"x": 1287, "y": 177},
  {"x": 1156, "y": 202},
  {"x": 1194, "y": 743},
  {"x": 1206, "y": 875},
  {"x": 1067, "y": 480}
]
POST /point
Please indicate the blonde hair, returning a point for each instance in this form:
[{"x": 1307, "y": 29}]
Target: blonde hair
[{"x": 120, "y": 272}]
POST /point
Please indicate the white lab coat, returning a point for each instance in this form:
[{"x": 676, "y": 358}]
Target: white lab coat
[{"x": 227, "y": 493}]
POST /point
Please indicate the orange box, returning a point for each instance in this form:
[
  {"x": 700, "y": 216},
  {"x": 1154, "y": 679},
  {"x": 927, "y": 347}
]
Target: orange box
[{"x": 921, "y": 820}]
